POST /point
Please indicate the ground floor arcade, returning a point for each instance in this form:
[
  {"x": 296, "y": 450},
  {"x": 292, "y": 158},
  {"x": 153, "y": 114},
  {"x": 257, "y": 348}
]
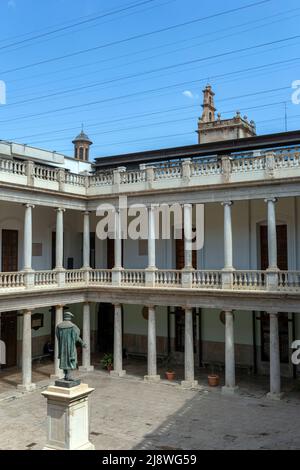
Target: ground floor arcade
[{"x": 191, "y": 341}]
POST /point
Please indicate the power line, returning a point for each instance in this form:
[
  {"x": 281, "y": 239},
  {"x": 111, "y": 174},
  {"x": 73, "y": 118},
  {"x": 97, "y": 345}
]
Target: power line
[
  {"x": 165, "y": 122},
  {"x": 94, "y": 18},
  {"x": 140, "y": 92},
  {"x": 152, "y": 48},
  {"x": 89, "y": 86},
  {"x": 138, "y": 36}
]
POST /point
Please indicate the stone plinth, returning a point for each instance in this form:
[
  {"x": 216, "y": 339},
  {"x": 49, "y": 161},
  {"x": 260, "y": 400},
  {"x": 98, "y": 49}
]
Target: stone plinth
[{"x": 68, "y": 418}]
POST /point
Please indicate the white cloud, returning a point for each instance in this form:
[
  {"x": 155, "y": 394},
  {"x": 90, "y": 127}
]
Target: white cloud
[
  {"x": 189, "y": 94},
  {"x": 11, "y": 4}
]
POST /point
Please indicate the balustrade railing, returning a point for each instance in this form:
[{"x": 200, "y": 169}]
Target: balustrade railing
[
  {"x": 133, "y": 277},
  {"x": 168, "y": 277},
  {"x": 206, "y": 279},
  {"x": 45, "y": 173},
  {"x": 10, "y": 280},
  {"x": 101, "y": 179},
  {"x": 44, "y": 278},
  {"x": 250, "y": 279},
  {"x": 245, "y": 162},
  {"x": 11, "y": 166},
  {"x": 201, "y": 279},
  {"x": 100, "y": 276},
  {"x": 288, "y": 280},
  {"x": 75, "y": 179},
  {"x": 131, "y": 177},
  {"x": 206, "y": 168},
  {"x": 74, "y": 276}
]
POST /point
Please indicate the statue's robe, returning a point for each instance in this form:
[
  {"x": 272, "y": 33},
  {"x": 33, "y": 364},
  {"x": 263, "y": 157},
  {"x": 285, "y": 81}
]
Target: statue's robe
[{"x": 67, "y": 336}]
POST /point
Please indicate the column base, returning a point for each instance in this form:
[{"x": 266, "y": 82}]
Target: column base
[
  {"x": 152, "y": 378},
  {"x": 26, "y": 388},
  {"x": 88, "y": 446},
  {"x": 229, "y": 390},
  {"x": 86, "y": 368},
  {"x": 189, "y": 383},
  {"x": 116, "y": 373},
  {"x": 275, "y": 396}
]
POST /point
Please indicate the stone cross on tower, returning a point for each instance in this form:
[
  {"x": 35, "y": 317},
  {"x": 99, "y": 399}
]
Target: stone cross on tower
[{"x": 208, "y": 105}]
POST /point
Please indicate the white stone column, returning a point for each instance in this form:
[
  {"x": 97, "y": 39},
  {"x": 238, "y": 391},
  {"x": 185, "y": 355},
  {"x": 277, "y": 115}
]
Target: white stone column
[
  {"x": 28, "y": 237},
  {"x": 189, "y": 379},
  {"x": 117, "y": 269},
  {"x": 188, "y": 222},
  {"x": 272, "y": 235},
  {"x": 150, "y": 271},
  {"x": 186, "y": 275},
  {"x": 86, "y": 240},
  {"x": 59, "y": 262},
  {"x": 230, "y": 386},
  {"x": 227, "y": 275},
  {"x": 152, "y": 360},
  {"x": 27, "y": 248},
  {"x": 275, "y": 380},
  {"x": 59, "y": 238},
  {"x": 58, "y": 373},
  {"x": 272, "y": 271},
  {"x": 86, "y": 336},
  {"x": 118, "y": 351},
  {"x": 27, "y": 384}
]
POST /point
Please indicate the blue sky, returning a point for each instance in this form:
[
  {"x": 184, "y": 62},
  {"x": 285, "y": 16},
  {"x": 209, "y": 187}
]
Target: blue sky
[{"x": 137, "y": 91}]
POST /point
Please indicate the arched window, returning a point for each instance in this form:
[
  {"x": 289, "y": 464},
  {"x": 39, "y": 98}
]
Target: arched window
[
  {"x": 81, "y": 153},
  {"x": 210, "y": 116}
]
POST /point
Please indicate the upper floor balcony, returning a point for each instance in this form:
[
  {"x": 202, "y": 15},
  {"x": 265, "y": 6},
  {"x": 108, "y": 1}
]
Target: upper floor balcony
[{"x": 237, "y": 168}]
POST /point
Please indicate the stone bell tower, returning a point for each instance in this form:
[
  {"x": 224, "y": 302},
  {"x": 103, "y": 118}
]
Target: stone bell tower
[
  {"x": 82, "y": 145},
  {"x": 208, "y": 105},
  {"x": 211, "y": 129}
]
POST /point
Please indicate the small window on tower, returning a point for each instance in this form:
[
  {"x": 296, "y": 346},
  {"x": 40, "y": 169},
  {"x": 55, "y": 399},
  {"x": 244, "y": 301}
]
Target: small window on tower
[
  {"x": 81, "y": 153},
  {"x": 210, "y": 100},
  {"x": 86, "y": 154},
  {"x": 210, "y": 116}
]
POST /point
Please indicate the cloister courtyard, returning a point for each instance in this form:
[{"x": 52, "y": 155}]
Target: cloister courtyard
[{"x": 127, "y": 413}]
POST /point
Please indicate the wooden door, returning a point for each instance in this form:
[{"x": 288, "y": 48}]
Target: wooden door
[
  {"x": 282, "y": 262},
  {"x": 110, "y": 253},
  {"x": 8, "y": 334},
  {"x": 282, "y": 253},
  {"x": 179, "y": 247},
  {"x": 106, "y": 328},
  {"x": 9, "y": 250},
  {"x": 180, "y": 329}
]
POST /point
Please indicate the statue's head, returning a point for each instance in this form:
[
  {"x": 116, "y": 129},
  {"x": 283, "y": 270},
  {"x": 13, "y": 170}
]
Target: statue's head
[{"x": 68, "y": 316}]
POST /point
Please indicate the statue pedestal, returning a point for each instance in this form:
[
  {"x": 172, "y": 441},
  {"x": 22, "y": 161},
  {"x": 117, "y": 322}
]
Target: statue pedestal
[{"x": 68, "y": 418}]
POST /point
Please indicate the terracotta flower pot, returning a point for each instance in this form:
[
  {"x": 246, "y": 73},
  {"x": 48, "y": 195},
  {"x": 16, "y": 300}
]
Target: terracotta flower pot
[
  {"x": 170, "y": 375},
  {"x": 213, "y": 380}
]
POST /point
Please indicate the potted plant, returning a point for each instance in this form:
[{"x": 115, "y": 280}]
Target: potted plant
[
  {"x": 107, "y": 362},
  {"x": 213, "y": 379},
  {"x": 170, "y": 374}
]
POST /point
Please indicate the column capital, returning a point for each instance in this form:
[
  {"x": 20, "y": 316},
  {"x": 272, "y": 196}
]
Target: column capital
[
  {"x": 60, "y": 209},
  {"x": 152, "y": 205},
  {"x": 27, "y": 312},
  {"x": 271, "y": 199},
  {"x": 29, "y": 205},
  {"x": 227, "y": 203},
  {"x": 188, "y": 204},
  {"x": 117, "y": 305},
  {"x": 86, "y": 212},
  {"x": 150, "y": 306}
]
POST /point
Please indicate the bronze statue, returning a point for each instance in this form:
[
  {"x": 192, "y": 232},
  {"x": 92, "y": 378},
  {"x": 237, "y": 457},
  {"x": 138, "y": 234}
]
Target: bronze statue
[{"x": 68, "y": 334}]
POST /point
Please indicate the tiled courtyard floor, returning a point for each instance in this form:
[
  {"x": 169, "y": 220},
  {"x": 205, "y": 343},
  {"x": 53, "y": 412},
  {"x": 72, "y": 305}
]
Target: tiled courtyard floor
[{"x": 127, "y": 413}]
